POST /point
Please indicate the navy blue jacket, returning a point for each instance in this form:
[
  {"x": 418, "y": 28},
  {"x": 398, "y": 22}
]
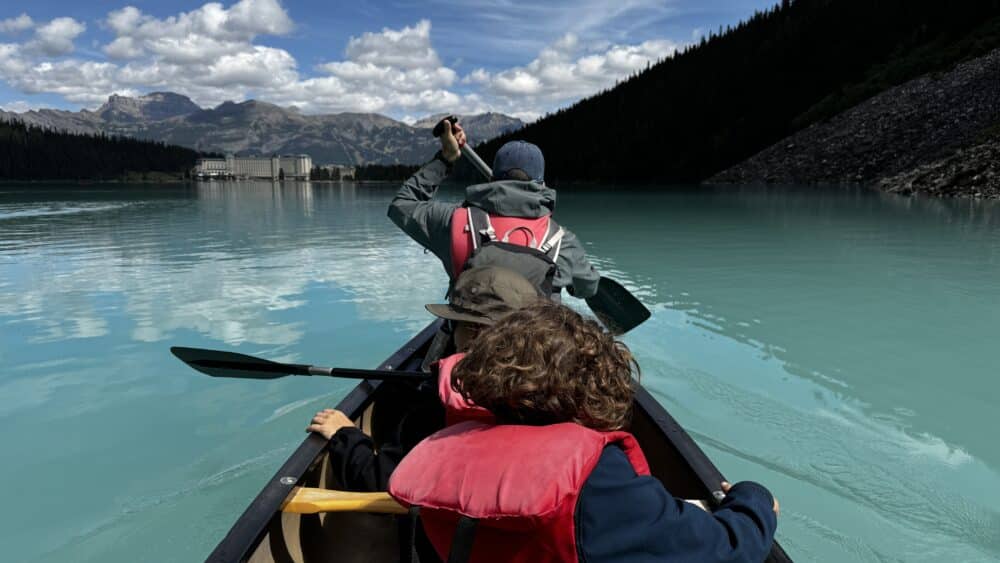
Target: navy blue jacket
[
  {"x": 623, "y": 517},
  {"x": 619, "y": 516}
]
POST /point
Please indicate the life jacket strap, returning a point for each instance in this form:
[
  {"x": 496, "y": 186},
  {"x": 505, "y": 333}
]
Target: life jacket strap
[
  {"x": 531, "y": 236},
  {"x": 461, "y": 543},
  {"x": 480, "y": 226},
  {"x": 408, "y": 536},
  {"x": 553, "y": 241}
]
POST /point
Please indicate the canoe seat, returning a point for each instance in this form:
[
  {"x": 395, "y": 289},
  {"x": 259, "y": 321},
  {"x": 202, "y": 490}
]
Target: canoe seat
[{"x": 309, "y": 500}]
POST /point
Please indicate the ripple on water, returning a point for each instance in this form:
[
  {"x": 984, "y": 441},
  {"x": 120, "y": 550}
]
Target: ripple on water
[
  {"x": 890, "y": 476},
  {"x": 53, "y": 209}
]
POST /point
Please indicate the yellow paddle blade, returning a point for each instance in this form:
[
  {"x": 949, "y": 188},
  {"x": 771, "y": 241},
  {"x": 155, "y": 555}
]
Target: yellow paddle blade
[{"x": 308, "y": 500}]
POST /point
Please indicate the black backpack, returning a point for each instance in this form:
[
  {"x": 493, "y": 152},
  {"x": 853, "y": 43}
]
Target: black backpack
[{"x": 536, "y": 262}]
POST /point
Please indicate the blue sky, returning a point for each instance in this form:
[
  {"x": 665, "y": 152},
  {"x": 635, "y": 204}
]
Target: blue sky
[{"x": 403, "y": 59}]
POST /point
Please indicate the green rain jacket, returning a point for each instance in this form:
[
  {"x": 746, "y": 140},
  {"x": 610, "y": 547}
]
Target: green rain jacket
[{"x": 429, "y": 222}]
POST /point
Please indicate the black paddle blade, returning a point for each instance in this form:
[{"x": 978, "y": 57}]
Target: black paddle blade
[
  {"x": 616, "y": 307},
  {"x": 230, "y": 364}
]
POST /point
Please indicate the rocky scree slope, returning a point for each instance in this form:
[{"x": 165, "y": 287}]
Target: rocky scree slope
[{"x": 927, "y": 135}]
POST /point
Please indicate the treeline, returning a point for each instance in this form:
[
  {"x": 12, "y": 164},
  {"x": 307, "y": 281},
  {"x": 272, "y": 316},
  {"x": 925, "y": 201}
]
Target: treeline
[
  {"x": 742, "y": 89},
  {"x": 323, "y": 174},
  {"x": 28, "y": 152},
  {"x": 384, "y": 172},
  {"x": 365, "y": 173}
]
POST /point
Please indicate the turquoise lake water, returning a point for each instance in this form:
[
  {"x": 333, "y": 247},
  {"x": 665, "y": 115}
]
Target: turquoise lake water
[{"x": 838, "y": 345}]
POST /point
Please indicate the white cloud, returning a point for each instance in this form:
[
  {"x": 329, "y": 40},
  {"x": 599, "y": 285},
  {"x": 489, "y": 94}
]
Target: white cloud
[
  {"x": 389, "y": 71},
  {"x": 262, "y": 67},
  {"x": 407, "y": 48},
  {"x": 19, "y": 23},
  {"x": 124, "y": 48},
  {"x": 211, "y": 54},
  {"x": 19, "y": 106},
  {"x": 56, "y": 37},
  {"x": 198, "y": 36},
  {"x": 83, "y": 82},
  {"x": 11, "y": 61},
  {"x": 561, "y": 74}
]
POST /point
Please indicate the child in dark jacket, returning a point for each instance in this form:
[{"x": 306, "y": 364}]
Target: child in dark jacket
[{"x": 481, "y": 296}]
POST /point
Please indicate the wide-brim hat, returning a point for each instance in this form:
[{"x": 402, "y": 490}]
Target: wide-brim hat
[{"x": 486, "y": 294}]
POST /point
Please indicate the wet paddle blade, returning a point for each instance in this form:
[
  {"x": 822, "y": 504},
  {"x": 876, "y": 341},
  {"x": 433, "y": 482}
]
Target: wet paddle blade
[
  {"x": 616, "y": 307},
  {"x": 230, "y": 364}
]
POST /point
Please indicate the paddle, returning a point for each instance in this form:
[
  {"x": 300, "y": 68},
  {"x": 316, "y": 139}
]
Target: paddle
[
  {"x": 307, "y": 500},
  {"x": 230, "y": 364},
  {"x": 617, "y": 308},
  {"x": 614, "y": 305}
]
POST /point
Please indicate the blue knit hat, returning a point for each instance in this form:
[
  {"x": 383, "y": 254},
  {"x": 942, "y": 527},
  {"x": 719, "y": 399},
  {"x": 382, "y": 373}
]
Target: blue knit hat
[{"x": 519, "y": 155}]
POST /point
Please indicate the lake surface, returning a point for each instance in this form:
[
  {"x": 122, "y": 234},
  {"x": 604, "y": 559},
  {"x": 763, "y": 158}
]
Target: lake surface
[{"x": 839, "y": 346}]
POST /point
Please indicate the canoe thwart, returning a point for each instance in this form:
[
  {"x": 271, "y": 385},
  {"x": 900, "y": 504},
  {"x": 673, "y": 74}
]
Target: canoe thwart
[{"x": 309, "y": 500}]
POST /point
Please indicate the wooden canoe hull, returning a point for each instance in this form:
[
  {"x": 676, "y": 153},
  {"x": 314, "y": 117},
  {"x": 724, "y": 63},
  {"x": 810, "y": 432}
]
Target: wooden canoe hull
[{"x": 264, "y": 534}]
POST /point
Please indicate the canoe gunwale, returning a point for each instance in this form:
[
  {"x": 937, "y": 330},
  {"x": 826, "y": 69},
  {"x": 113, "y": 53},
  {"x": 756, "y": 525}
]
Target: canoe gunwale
[
  {"x": 251, "y": 527},
  {"x": 703, "y": 468}
]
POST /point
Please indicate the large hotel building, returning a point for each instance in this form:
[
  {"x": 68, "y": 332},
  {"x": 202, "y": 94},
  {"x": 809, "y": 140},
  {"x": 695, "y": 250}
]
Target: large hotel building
[{"x": 290, "y": 167}]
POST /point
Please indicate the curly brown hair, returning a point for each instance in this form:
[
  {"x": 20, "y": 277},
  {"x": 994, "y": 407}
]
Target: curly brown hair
[{"x": 546, "y": 364}]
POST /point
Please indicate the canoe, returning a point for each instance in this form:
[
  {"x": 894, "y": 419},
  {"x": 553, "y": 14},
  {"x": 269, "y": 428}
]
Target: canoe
[{"x": 389, "y": 410}]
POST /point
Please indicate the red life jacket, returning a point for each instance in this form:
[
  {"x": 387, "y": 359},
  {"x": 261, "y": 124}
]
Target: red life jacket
[
  {"x": 532, "y": 232},
  {"x": 520, "y": 484},
  {"x": 456, "y": 408}
]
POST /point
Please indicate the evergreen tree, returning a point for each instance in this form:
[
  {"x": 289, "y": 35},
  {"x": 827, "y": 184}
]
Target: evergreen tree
[
  {"x": 384, "y": 172},
  {"x": 737, "y": 92},
  {"x": 28, "y": 152}
]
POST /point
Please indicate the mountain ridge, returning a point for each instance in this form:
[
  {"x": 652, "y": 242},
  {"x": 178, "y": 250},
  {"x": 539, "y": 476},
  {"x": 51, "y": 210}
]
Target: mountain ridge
[{"x": 257, "y": 127}]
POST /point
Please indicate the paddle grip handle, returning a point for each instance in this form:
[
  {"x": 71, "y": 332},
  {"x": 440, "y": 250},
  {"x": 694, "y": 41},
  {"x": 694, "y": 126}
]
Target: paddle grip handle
[{"x": 439, "y": 128}]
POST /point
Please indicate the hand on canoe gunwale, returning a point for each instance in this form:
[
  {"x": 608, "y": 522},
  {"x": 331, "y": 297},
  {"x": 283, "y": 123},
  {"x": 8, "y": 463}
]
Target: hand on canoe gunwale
[
  {"x": 328, "y": 421},
  {"x": 726, "y": 486},
  {"x": 452, "y": 141}
]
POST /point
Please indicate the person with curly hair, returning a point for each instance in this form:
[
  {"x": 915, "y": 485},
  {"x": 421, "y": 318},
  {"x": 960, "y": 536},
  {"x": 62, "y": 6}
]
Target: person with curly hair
[{"x": 538, "y": 465}]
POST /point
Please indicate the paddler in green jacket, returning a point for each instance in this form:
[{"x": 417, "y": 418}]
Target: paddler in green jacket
[{"x": 513, "y": 208}]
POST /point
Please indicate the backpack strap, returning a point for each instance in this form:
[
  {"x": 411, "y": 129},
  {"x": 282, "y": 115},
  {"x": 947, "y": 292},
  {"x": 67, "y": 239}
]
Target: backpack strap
[
  {"x": 553, "y": 244},
  {"x": 479, "y": 225}
]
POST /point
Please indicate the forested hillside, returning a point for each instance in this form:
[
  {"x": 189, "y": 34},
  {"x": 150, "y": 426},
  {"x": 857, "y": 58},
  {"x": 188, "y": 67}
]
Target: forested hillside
[
  {"x": 742, "y": 89},
  {"x": 33, "y": 153}
]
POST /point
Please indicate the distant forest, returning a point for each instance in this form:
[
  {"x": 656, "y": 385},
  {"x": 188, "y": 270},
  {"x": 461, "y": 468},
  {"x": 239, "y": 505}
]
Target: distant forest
[
  {"x": 368, "y": 173},
  {"x": 384, "y": 172},
  {"x": 742, "y": 89},
  {"x": 33, "y": 153}
]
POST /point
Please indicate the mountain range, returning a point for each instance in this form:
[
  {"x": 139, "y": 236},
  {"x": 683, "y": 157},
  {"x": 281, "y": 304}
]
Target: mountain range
[{"x": 259, "y": 128}]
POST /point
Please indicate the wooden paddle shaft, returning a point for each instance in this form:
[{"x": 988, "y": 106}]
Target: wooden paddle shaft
[{"x": 308, "y": 500}]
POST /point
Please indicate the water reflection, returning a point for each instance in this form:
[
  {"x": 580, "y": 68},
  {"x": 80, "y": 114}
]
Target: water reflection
[{"x": 221, "y": 261}]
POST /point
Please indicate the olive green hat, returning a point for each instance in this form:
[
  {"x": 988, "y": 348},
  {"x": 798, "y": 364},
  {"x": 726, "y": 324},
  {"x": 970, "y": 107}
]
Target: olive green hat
[{"x": 485, "y": 294}]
